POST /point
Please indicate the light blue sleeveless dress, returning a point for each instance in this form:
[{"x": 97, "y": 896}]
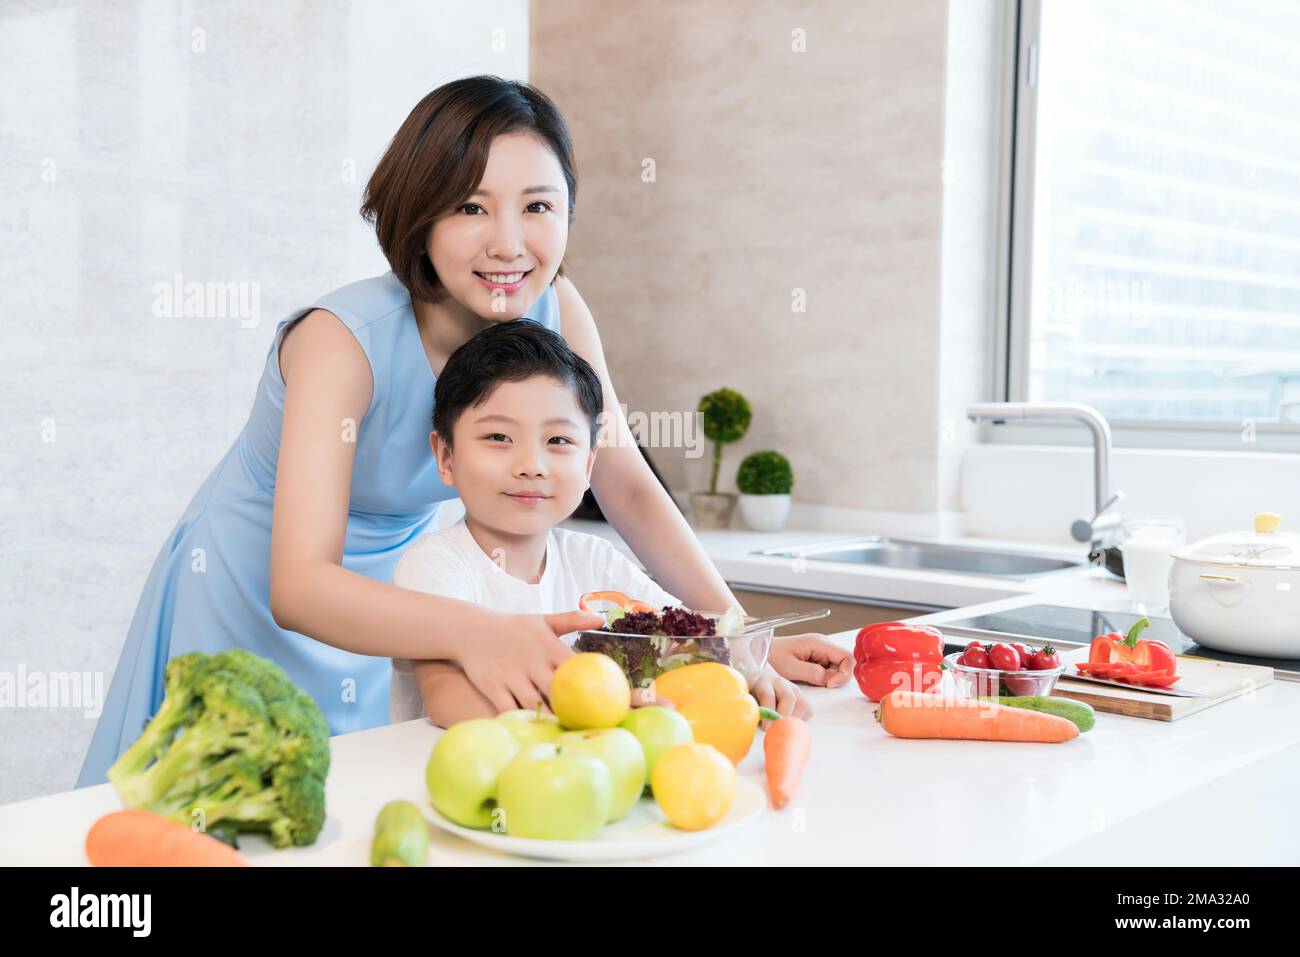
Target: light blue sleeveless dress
[{"x": 209, "y": 588}]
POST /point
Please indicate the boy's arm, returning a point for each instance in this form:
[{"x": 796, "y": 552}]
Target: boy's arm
[{"x": 448, "y": 695}]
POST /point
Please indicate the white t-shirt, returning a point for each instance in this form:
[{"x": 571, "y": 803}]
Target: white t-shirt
[{"x": 449, "y": 562}]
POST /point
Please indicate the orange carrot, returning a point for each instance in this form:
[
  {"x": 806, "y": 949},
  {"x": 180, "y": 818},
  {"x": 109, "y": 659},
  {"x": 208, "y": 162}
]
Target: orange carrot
[
  {"x": 786, "y": 747},
  {"x": 914, "y": 714},
  {"x": 143, "y": 839}
]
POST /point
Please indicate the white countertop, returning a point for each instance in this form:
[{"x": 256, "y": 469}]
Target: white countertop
[
  {"x": 1214, "y": 788},
  {"x": 733, "y": 551}
]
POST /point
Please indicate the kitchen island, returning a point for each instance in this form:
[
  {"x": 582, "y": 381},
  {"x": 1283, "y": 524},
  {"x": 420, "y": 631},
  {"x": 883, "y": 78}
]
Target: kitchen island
[{"x": 1217, "y": 786}]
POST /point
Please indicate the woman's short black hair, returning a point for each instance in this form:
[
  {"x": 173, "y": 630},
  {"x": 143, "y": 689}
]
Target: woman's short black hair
[
  {"x": 437, "y": 158},
  {"x": 510, "y": 351}
]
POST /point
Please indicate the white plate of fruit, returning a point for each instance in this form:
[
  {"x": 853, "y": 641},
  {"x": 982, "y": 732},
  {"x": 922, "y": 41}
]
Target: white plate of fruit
[
  {"x": 643, "y": 833},
  {"x": 575, "y": 786}
]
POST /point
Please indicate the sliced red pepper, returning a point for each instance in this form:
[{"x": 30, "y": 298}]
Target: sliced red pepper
[
  {"x": 1123, "y": 655},
  {"x": 1155, "y": 679},
  {"x": 626, "y": 602},
  {"x": 1099, "y": 650}
]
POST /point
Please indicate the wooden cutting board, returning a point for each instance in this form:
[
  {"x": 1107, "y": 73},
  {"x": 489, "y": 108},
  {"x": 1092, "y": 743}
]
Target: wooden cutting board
[{"x": 1217, "y": 680}]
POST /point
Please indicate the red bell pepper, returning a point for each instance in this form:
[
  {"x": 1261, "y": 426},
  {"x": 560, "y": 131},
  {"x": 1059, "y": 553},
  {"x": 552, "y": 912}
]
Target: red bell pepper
[
  {"x": 894, "y": 654},
  {"x": 1128, "y": 658},
  {"x": 1153, "y": 679}
]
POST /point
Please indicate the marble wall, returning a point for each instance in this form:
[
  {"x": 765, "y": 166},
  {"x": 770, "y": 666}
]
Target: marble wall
[{"x": 139, "y": 142}]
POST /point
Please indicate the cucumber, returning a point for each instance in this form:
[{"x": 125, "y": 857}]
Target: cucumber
[
  {"x": 401, "y": 836},
  {"x": 1079, "y": 712}
]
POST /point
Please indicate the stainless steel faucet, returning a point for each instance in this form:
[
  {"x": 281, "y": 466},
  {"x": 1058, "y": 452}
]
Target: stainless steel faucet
[{"x": 1103, "y": 523}]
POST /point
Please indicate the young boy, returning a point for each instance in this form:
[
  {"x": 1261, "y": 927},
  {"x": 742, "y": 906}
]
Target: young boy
[{"x": 515, "y": 424}]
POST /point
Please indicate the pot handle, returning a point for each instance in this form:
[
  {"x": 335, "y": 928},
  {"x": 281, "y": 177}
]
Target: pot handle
[{"x": 1227, "y": 590}]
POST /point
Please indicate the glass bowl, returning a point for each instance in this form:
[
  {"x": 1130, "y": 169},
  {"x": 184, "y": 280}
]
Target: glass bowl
[
  {"x": 644, "y": 657},
  {"x": 985, "y": 682}
]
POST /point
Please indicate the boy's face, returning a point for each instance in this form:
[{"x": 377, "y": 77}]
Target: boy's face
[{"x": 522, "y": 458}]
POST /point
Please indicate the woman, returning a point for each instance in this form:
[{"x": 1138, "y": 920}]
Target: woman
[{"x": 289, "y": 546}]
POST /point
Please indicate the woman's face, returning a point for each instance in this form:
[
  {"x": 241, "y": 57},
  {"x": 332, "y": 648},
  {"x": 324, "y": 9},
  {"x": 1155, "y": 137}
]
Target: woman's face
[{"x": 497, "y": 253}]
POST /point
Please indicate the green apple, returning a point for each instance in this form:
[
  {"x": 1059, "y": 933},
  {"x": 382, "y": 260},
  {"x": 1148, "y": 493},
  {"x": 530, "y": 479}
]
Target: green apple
[
  {"x": 555, "y": 793},
  {"x": 622, "y": 754},
  {"x": 658, "y": 729},
  {"x": 464, "y": 768},
  {"x": 531, "y": 727}
]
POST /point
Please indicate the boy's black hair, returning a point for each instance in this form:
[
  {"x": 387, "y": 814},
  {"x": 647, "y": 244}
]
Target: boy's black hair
[{"x": 511, "y": 351}]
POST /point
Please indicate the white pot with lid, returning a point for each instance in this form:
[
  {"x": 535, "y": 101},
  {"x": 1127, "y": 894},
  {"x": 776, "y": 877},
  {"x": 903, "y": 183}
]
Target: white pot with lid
[{"x": 1240, "y": 592}]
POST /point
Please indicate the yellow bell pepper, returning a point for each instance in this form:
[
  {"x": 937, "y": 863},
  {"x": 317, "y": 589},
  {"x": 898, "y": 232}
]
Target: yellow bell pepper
[{"x": 716, "y": 701}]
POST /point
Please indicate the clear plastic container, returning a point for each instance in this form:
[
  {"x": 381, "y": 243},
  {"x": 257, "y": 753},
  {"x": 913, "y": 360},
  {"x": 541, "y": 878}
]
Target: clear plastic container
[
  {"x": 985, "y": 682},
  {"x": 644, "y": 657}
]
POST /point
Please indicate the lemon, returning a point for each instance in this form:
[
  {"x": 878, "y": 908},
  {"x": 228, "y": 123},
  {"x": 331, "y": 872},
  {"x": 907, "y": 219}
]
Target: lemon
[
  {"x": 590, "y": 691},
  {"x": 694, "y": 785}
]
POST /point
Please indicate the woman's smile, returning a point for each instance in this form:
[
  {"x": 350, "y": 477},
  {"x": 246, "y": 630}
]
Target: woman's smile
[{"x": 507, "y": 282}]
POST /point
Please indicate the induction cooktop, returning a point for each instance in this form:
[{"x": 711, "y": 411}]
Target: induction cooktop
[{"x": 1056, "y": 623}]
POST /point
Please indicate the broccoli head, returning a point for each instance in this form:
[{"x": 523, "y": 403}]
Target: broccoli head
[{"x": 236, "y": 741}]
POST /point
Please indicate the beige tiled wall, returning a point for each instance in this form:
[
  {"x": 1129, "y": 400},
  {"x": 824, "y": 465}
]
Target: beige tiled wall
[{"x": 775, "y": 170}]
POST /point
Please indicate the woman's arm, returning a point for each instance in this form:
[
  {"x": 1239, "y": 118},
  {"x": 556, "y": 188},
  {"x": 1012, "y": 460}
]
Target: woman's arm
[
  {"x": 327, "y": 385},
  {"x": 327, "y": 391},
  {"x": 637, "y": 506}
]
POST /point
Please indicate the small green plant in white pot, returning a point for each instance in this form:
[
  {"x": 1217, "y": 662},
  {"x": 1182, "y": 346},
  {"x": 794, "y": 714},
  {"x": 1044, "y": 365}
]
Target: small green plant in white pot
[
  {"x": 765, "y": 479},
  {"x": 726, "y": 416}
]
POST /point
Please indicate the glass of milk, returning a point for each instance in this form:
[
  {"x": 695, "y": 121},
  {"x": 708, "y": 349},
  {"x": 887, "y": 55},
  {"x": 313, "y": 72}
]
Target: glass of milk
[{"x": 1148, "y": 545}]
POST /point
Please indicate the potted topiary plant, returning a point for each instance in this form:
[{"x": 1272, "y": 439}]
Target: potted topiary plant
[
  {"x": 726, "y": 417},
  {"x": 764, "y": 479}
]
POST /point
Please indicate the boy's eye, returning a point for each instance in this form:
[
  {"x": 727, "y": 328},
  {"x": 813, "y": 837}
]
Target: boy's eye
[
  {"x": 497, "y": 437},
  {"x": 561, "y": 438}
]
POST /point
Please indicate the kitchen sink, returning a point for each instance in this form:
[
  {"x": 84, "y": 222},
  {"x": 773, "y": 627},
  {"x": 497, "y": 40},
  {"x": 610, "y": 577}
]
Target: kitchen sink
[{"x": 928, "y": 556}]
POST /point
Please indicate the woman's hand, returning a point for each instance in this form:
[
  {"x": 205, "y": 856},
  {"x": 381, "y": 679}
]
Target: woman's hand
[
  {"x": 511, "y": 661},
  {"x": 812, "y": 660}
]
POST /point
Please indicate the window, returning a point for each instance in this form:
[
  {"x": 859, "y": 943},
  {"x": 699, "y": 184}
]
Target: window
[{"x": 1155, "y": 254}]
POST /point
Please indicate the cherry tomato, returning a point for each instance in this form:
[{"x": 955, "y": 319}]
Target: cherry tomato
[
  {"x": 1004, "y": 657},
  {"x": 976, "y": 658},
  {"x": 1019, "y": 686},
  {"x": 975, "y": 645},
  {"x": 1026, "y": 653},
  {"x": 1045, "y": 659}
]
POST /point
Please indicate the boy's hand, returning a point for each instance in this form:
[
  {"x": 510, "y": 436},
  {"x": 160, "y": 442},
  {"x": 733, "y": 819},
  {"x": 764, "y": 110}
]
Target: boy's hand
[
  {"x": 512, "y": 660},
  {"x": 808, "y": 658},
  {"x": 811, "y": 659},
  {"x": 773, "y": 691}
]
